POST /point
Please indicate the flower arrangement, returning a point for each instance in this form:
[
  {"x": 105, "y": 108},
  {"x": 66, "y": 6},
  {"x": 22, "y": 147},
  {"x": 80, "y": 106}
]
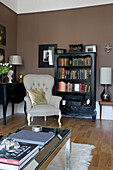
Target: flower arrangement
[{"x": 4, "y": 68}]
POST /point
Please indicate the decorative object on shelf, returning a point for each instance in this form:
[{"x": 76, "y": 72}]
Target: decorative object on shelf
[
  {"x": 2, "y": 35},
  {"x": 75, "y": 47},
  {"x": 15, "y": 60},
  {"x": 105, "y": 78},
  {"x": 20, "y": 78},
  {"x": 70, "y": 62},
  {"x": 4, "y": 68},
  {"x": 60, "y": 51},
  {"x": 108, "y": 48},
  {"x": 9, "y": 75},
  {"x": 46, "y": 55},
  {"x": 2, "y": 55},
  {"x": 90, "y": 48}
]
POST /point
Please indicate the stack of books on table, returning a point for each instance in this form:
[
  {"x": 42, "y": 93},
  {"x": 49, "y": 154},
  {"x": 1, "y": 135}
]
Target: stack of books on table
[
  {"x": 15, "y": 159},
  {"x": 30, "y": 142}
]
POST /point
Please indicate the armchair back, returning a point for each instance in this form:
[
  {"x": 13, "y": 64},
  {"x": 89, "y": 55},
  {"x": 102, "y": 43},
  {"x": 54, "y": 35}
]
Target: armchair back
[{"x": 37, "y": 81}]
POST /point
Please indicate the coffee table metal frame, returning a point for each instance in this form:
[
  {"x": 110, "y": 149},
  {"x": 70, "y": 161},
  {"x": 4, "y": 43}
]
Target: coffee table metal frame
[{"x": 50, "y": 150}]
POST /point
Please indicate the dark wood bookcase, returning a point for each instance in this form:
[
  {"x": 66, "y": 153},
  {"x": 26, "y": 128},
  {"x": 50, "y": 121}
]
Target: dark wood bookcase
[{"x": 75, "y": 82}]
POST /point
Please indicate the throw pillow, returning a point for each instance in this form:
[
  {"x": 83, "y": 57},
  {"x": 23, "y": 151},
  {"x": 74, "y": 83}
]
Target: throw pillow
[{"x": 37, "y": 96}]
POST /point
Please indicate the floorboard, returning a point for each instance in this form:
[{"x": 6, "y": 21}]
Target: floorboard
[{"x": 84, "y": 131}]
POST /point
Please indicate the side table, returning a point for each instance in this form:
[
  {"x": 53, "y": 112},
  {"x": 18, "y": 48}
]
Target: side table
[
  {"x": 11, "y": 92},
  {"x": 104, "y": 103}
]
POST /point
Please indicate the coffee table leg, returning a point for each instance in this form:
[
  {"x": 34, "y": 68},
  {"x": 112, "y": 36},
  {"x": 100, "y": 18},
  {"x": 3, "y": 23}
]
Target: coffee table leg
[{"x": 68, "y": 155}]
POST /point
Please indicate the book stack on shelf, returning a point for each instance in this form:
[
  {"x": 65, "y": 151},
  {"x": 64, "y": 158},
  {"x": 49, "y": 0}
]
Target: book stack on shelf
[
  {"x": 74, "y": 61},
  {"x": 63, "y": 61},
  {"x": 85, "y": 87},
  {"x": 71, "y": 87},
  {"x": 82, "y": 61},
  {"x": 65, "y": 87},
  {"x": 74, "y": 74}
]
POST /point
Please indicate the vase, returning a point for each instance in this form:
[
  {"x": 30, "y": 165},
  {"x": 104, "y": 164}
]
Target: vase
[{"x": 2, "y": 78}]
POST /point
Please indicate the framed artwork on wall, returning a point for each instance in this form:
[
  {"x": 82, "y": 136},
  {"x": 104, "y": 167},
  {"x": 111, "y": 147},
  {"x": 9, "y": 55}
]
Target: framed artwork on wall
[
  {"x": 2, "y": 35},
  {"x": 90, "y": 48},
  {"x": 2, "y": 55},
  {"x": 46, "y": 55}
]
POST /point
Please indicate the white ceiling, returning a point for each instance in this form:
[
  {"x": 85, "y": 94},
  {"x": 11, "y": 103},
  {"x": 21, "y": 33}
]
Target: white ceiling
[{"x": 29, "y": 6}]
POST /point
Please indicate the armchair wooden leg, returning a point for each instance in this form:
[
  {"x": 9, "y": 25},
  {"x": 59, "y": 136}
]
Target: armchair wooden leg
[
  {"x": 59, "y": 119},
  {"x": 28, "y": 118},
  {"x": 32, "y": 118},
  {"x": 45, "y": 118}
]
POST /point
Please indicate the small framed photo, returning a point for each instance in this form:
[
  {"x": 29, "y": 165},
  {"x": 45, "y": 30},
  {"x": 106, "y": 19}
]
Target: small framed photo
[
  {"x": 90, "y": 48},
  {"x": 46, "y": 55}
]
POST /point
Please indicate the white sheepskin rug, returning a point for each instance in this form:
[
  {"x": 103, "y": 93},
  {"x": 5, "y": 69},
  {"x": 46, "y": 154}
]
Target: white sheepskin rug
[{"x": 80, "y": 157}]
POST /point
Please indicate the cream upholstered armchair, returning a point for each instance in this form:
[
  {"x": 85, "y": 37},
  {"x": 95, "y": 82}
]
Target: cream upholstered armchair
[{"x": 51, "y": 107}]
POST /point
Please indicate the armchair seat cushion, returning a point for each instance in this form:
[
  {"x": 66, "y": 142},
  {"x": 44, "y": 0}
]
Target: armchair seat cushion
[{"x": 44, "y": 110}]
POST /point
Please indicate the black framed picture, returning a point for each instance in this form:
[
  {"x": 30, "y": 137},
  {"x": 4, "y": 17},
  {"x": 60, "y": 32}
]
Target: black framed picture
[
  {"x": 2, "y": 55},
  {"x": 2, "y": 35},
  {"x": 46, "y": 55}
]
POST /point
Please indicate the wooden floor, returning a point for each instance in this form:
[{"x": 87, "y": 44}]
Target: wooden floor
[{"x": 84, "y": 131}]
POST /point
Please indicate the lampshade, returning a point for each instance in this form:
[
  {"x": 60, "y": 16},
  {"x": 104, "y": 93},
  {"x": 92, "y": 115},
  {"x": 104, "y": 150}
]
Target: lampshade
[
  {"x": 105, "y": 75},
  {"x": 15, "y": 60}
]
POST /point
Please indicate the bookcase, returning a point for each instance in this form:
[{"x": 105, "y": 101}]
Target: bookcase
[{"x": 75, "y": 82}]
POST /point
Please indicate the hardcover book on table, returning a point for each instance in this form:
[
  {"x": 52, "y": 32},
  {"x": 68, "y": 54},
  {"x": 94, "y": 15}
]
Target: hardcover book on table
[
  {"x": 29, "y": 162},
  {"x": 20, "y": 155},
  {"x": 27, "y": 136}
]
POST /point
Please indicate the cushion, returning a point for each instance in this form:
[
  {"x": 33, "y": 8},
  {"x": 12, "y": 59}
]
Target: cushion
[{"x": 37, "y": 96}]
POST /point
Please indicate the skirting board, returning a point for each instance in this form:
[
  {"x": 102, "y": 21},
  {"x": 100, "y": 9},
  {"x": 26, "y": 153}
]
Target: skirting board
[
  {"x": 18, "y": 108},
  {"x": 107, "y": 111}
]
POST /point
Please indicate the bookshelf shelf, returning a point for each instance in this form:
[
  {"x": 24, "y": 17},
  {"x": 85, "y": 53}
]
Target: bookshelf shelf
[{"x": 75, "y": 82}]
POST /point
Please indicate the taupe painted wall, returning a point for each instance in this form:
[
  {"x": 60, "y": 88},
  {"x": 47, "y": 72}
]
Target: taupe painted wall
[
  {"x": 93, "y": 25},
  {"x": 9, "y": 19}
]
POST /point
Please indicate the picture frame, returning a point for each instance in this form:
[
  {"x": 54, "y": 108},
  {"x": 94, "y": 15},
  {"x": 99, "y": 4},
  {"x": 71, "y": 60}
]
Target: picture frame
[
  {"x": 60, "y": 51},
  {"x": 46, "y": 55},
  {"x": 90, "y": 48},
  {"x": 2, "y": 35},
  {"x": 2, "y": 55},
  {"x": 75, "y": 47}
]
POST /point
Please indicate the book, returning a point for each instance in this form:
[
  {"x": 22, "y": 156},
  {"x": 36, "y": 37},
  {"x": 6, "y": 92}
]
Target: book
[
  {"x": 77, "y": 87},
  {"x": 29, "y": 162},
  {"x": 28, "y": 136},
  {"x": 20, "y": 155}
]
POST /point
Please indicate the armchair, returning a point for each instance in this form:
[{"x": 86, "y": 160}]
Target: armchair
[{"x": 46, "y": 82}]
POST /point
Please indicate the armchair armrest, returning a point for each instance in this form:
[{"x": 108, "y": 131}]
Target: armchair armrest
[
  {"x": 55, "y": 101},
  {"x": 28, "y": 103}
]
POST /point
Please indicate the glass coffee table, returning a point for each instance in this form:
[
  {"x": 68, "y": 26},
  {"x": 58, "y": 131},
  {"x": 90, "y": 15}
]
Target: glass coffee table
[{"x": 49, "y": 151}]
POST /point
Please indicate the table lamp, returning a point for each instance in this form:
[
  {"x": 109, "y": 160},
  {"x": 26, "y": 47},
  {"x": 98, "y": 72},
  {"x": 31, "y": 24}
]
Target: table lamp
[
  {"x": 15, "y": 60},
  {"x": 105, "y": 78}
]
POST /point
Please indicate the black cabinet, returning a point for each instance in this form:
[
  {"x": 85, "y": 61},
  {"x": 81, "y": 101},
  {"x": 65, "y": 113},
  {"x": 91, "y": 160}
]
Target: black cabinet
[
  {"x": 75, "y": 82},
  {"x": 11, "y": 92}
]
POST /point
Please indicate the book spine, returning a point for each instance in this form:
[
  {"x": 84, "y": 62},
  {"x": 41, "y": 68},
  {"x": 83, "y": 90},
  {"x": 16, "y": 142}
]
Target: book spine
[{"x": 9, "y": 161}]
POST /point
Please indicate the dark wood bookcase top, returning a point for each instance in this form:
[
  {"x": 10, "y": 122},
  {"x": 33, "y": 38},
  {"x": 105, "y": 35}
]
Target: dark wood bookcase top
[{"x": 75, "y": 82}]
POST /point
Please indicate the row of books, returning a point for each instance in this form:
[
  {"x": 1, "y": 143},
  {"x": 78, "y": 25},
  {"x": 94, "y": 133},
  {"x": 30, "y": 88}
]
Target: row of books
[
  {"x": 71, "y": 87},
  {"x": 74, "y": 74},
  {"x": 74, "y": 61},
  {"x": 30, "y": 143}
]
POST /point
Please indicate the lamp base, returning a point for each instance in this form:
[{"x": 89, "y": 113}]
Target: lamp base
[{"x": 105, "y": 96}]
